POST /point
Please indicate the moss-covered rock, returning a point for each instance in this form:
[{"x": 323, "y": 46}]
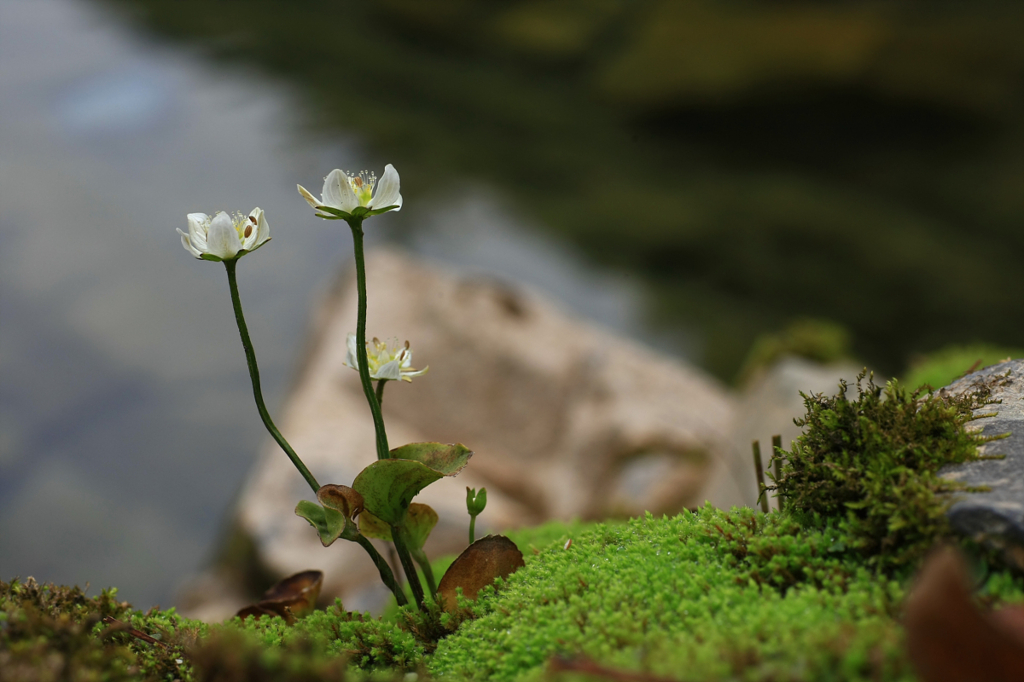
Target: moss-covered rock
[{"x": 871, "y": 465}]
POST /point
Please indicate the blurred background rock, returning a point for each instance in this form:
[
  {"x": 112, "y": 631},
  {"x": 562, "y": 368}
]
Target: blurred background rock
[{"x": 720, "y": 180}]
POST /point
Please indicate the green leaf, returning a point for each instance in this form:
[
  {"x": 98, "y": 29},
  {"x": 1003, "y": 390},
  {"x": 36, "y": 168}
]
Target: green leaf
[
  {"x": 447, "y": 458},
  {"x": 330, "y": 524},
  {"x": 378, "y": 211},
  {"x": 372, "y": 527},
  {"x": 419, "y": 520},
  {"x": 388, "y": 485},
  {"x": 337, "y": 212}
]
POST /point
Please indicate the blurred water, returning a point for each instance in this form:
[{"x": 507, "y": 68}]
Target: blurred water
[{"x": 126, "y": 421}]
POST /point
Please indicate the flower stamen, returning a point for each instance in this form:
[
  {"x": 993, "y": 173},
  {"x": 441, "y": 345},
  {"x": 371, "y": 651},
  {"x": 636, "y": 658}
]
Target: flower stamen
[{"x": 362, "y": 185}]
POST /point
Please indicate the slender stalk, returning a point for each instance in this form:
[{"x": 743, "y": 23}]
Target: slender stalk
[
  {"x": 777, "y": 461},
  {"x": 410, "y": 570},
  {"x": 380, "y": 392},
  {"x": 472, "y": 528},
  {"x": 364, "y": 367},
  {"x": 254, "y": 374},
  {"x": 428, "y": 572},
  {"x": 394, "y": 563},
  {"x": 386, "y": 576},
  {"x": 759, "y": 470}
]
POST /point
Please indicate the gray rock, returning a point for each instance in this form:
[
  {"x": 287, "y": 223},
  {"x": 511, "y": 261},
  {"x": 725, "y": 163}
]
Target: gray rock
[{"x": 995, "y": 517}]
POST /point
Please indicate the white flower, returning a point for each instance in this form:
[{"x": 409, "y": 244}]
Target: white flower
[
  {"x": 225, "y": 237},
  {"x": 347, "y": 194},
  {"x": 386, "y": 362}
]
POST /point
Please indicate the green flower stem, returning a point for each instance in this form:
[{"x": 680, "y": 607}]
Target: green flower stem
[
  {"x": 410, "y": 570},
  {"x": 364, "y": 366},
  {"x": 394, "y": 563},
  {"x": 380, "y": 392},
  {"x": 472, "y": 528},
  {"x": 421, "y": 558},
  {"x": 386, "y": 576},
  {"x": 254, "y": 374}
]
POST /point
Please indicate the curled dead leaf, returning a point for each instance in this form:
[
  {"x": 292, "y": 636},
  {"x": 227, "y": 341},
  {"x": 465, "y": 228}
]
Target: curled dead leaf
[{"x": 340, "y": 498}]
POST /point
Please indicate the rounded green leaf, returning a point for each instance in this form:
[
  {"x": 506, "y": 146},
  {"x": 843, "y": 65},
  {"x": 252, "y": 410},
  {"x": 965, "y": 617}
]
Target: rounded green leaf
[
  {"x": 372, "y": 527},
  {"x": 388, "y": 485},
  {"x": 330, "y": 524},
  {"x": 419, "y": 520},
  {"x": 445, "y": 458}
]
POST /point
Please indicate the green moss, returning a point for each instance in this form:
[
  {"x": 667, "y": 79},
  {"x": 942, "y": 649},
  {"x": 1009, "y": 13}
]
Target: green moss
[
  {"x": 810, "y": 594},
  {"x": 49, "y": 632},
  {"x": 708, "y": 596},
  {"x": 871, "y": 464},
  {"x": 368, "y": 643},
  {"x": 703, "y": 596}
]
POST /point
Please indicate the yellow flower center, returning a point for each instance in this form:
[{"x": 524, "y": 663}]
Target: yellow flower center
[
  {"x": 380, "y": 353},
  {"x": 362, "y": 185}
]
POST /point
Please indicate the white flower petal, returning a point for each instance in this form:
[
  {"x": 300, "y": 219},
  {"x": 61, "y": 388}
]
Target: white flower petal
[
  {"x": 408, "y": 374},
  {"x": 338, "y": 192},
  {"x": 188, "y": 245},
  {"x": 198, "y": 224},
  {"x": 222, "y": 239},
  {"x": 387, "y": 193},
  {"x": 350, "y": 357},
  {"x": 251, "y": 223},
  {"x": 263, "y": 227},
  {"x": 392, "y": 371},
  {"x": 310, "y": 199}
]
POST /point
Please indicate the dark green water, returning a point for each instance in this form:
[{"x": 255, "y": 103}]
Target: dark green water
[{"x": 754, "y": 163}]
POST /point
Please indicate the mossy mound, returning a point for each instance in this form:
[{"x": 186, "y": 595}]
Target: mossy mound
[
  {"x": 705, "y": 596},
  {"x": 871, "y": 465},
  {"x": 58, "y": 633}
]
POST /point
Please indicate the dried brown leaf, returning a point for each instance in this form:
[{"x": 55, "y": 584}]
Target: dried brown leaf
[
  {"x": 949, "y": 638},
  {"x": 494, "y": 556},
  {"x": 291, "y": 598}
]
